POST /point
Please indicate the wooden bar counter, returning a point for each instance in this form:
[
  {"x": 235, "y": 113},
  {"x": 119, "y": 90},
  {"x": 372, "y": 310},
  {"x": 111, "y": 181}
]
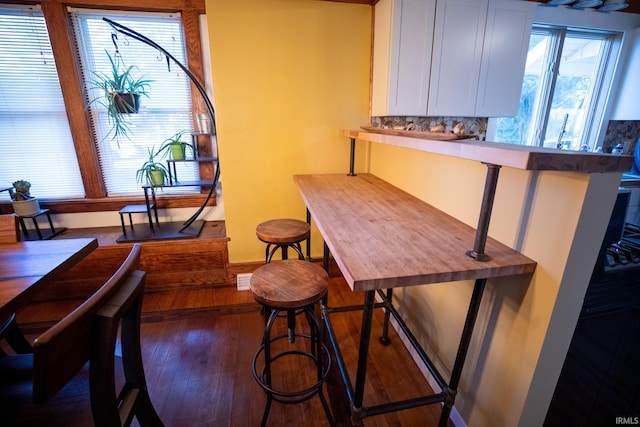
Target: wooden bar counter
[{"x": 382, "y": 238}]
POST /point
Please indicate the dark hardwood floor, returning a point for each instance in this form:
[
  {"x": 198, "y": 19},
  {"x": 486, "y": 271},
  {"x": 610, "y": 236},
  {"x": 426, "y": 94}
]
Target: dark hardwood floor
[{"x": 198, "y": 369}]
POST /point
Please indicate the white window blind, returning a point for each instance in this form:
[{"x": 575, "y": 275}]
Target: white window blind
[
  {"x": 35, "y": 140},
  {"x": 164, "y": 113}
]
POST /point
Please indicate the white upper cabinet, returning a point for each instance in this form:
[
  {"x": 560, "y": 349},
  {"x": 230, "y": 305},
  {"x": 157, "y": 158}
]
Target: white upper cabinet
[
  {"x": 627, "y": 104},
  {"x": 479, "y": 54},
  {"x": 461, "y": 58},
  {"x": 457, "y": 54},
  {"x": 402, "y": 57},
  {"x": 504, "y": 56}
]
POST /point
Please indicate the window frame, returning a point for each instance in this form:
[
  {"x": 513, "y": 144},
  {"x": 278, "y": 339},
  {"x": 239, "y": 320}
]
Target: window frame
[
  {"x": 68, "y": 67},
  {"x": 599, "y": 86},
  {"x": 595, "y": 132}
]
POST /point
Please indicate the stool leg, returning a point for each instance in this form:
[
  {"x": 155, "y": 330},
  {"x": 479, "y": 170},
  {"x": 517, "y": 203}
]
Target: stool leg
[
  {"x": 271, "y": 252},
  {"x": 291, "y": 325},
  {"x": 298, "y": 249},
  {"x": 266, "y": 341},
  {"x": 317, "y": 338},
  {"x": 267, "y": 258}
]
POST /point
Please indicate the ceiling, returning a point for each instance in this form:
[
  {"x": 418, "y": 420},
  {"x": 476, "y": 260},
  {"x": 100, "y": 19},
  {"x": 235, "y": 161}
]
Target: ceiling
[{"x": 634, "y": 5}]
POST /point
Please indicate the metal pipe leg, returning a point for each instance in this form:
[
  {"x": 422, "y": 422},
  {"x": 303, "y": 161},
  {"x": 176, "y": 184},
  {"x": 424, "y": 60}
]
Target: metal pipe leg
[
  {"x": 352, "y": 156},
  {"x": 363, "y": 356},
  {"x": 465, "y": 339},
  {"x": 482, "y": 231},
  {"x": 309, "y": 238},
  {"x": 384, "y": 339}
]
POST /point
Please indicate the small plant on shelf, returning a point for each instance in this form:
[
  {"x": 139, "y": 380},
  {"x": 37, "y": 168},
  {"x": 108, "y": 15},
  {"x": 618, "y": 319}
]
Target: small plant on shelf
[
  {"x": 120, "y": 93},
  {"x": 24, "y": 204},
  {"x": 176, "y": 147},
  {"x": 22, "y": 190},
  {"x": 152, "y": 172}
]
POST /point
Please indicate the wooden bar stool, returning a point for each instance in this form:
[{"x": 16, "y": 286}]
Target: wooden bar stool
[
  {"x": 291, "y": 285},
  {"x": 283, "y": 234}
]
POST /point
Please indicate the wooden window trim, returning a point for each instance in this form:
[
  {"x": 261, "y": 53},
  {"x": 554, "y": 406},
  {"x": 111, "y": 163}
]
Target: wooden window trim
[{"x": 67, "y": 63}]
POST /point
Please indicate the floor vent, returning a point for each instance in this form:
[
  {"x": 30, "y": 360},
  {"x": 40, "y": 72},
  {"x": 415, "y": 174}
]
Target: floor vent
[{"x": 243, "y": 281}]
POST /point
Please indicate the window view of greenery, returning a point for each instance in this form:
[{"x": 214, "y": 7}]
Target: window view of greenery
[
  {"x": 35, "y": 142},
  {"x": 562, "y": 79}
]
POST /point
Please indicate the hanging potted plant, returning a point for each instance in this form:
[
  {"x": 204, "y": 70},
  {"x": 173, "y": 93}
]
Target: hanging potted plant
[
  {"x": 176, "y": 147},
  {"x": 23, "y": 203},
  {"x": 152, "y": 172},
  {"x": 119, "y": 92}
]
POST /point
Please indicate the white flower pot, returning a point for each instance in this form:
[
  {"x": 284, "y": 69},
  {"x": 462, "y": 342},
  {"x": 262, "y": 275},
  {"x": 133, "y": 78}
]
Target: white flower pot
[{"x": 26, "y": 207}]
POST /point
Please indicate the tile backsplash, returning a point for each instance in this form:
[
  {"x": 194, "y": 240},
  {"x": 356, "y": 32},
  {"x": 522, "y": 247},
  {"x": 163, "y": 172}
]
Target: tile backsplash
[
  {"x": 473, "y": 125},
  {"x": 625, "y": 132}
]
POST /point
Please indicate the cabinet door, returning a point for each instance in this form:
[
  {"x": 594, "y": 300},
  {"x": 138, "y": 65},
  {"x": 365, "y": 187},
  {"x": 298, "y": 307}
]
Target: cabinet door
[
  {"x": 627, "y": 104},
  {"x": 457, "y": 53},
  {"x": 402, "y": 56},
  {"x": 504, "y": 56}
]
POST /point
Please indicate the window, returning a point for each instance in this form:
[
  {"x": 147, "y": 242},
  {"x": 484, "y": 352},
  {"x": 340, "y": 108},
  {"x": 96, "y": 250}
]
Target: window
[
  {"x": 164, "y": 113},
  {"x": 35, "y": 142},
  {"x": 563, "y": 81}
]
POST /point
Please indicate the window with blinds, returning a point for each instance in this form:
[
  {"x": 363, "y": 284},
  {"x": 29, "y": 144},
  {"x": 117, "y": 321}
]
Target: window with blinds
[
  {"x": 164, "y": 113},
  {"x": 35, "y": 139}
]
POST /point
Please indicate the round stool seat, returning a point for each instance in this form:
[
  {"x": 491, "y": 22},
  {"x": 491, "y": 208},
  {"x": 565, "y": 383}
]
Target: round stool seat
[
  {"x": 289, "y": 284},
  {"x": 283, "y": 231}
]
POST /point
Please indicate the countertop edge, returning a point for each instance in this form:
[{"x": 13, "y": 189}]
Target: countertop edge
[{"x": 510, "y": 155}]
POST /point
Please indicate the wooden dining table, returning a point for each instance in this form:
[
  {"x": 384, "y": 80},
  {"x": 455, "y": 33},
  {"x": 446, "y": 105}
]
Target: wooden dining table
[{"x": 26, "y": 267}]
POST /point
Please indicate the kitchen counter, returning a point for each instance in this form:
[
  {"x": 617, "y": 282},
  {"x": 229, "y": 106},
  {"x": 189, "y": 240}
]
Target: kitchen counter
[{"x": 515, "y": 156}]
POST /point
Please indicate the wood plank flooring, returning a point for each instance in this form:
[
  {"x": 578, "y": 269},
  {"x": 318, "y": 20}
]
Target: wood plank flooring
[{"x": 198, "y": 368}]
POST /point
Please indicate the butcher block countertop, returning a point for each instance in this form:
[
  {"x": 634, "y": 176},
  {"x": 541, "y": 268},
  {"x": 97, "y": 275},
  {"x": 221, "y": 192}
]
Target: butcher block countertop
[
  {"x": 511, "y": 155},
  {"x": 382, "y": 237}
]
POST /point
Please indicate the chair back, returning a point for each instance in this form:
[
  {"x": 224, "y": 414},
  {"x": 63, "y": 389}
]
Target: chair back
[
  {"x": 8, "y": 229},
  {"x": 89, "y": 333}
]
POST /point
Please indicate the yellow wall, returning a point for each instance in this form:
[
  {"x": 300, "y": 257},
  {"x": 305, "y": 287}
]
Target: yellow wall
[{"x": 288, "y": 75}]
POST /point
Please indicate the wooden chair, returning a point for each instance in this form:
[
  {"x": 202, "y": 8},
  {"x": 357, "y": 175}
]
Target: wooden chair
[
  {"x": 45, "y": 388},
  {"x": 8, "y": 229}
]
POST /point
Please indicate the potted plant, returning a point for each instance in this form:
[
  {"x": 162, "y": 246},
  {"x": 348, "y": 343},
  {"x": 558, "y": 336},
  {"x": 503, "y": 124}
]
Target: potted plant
[
  {"x": 24, "y": 204},
  {"x": 120, "y": 93},
  {"x": 176, "y": 147},
  {"x": 153, "y": 172}
]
